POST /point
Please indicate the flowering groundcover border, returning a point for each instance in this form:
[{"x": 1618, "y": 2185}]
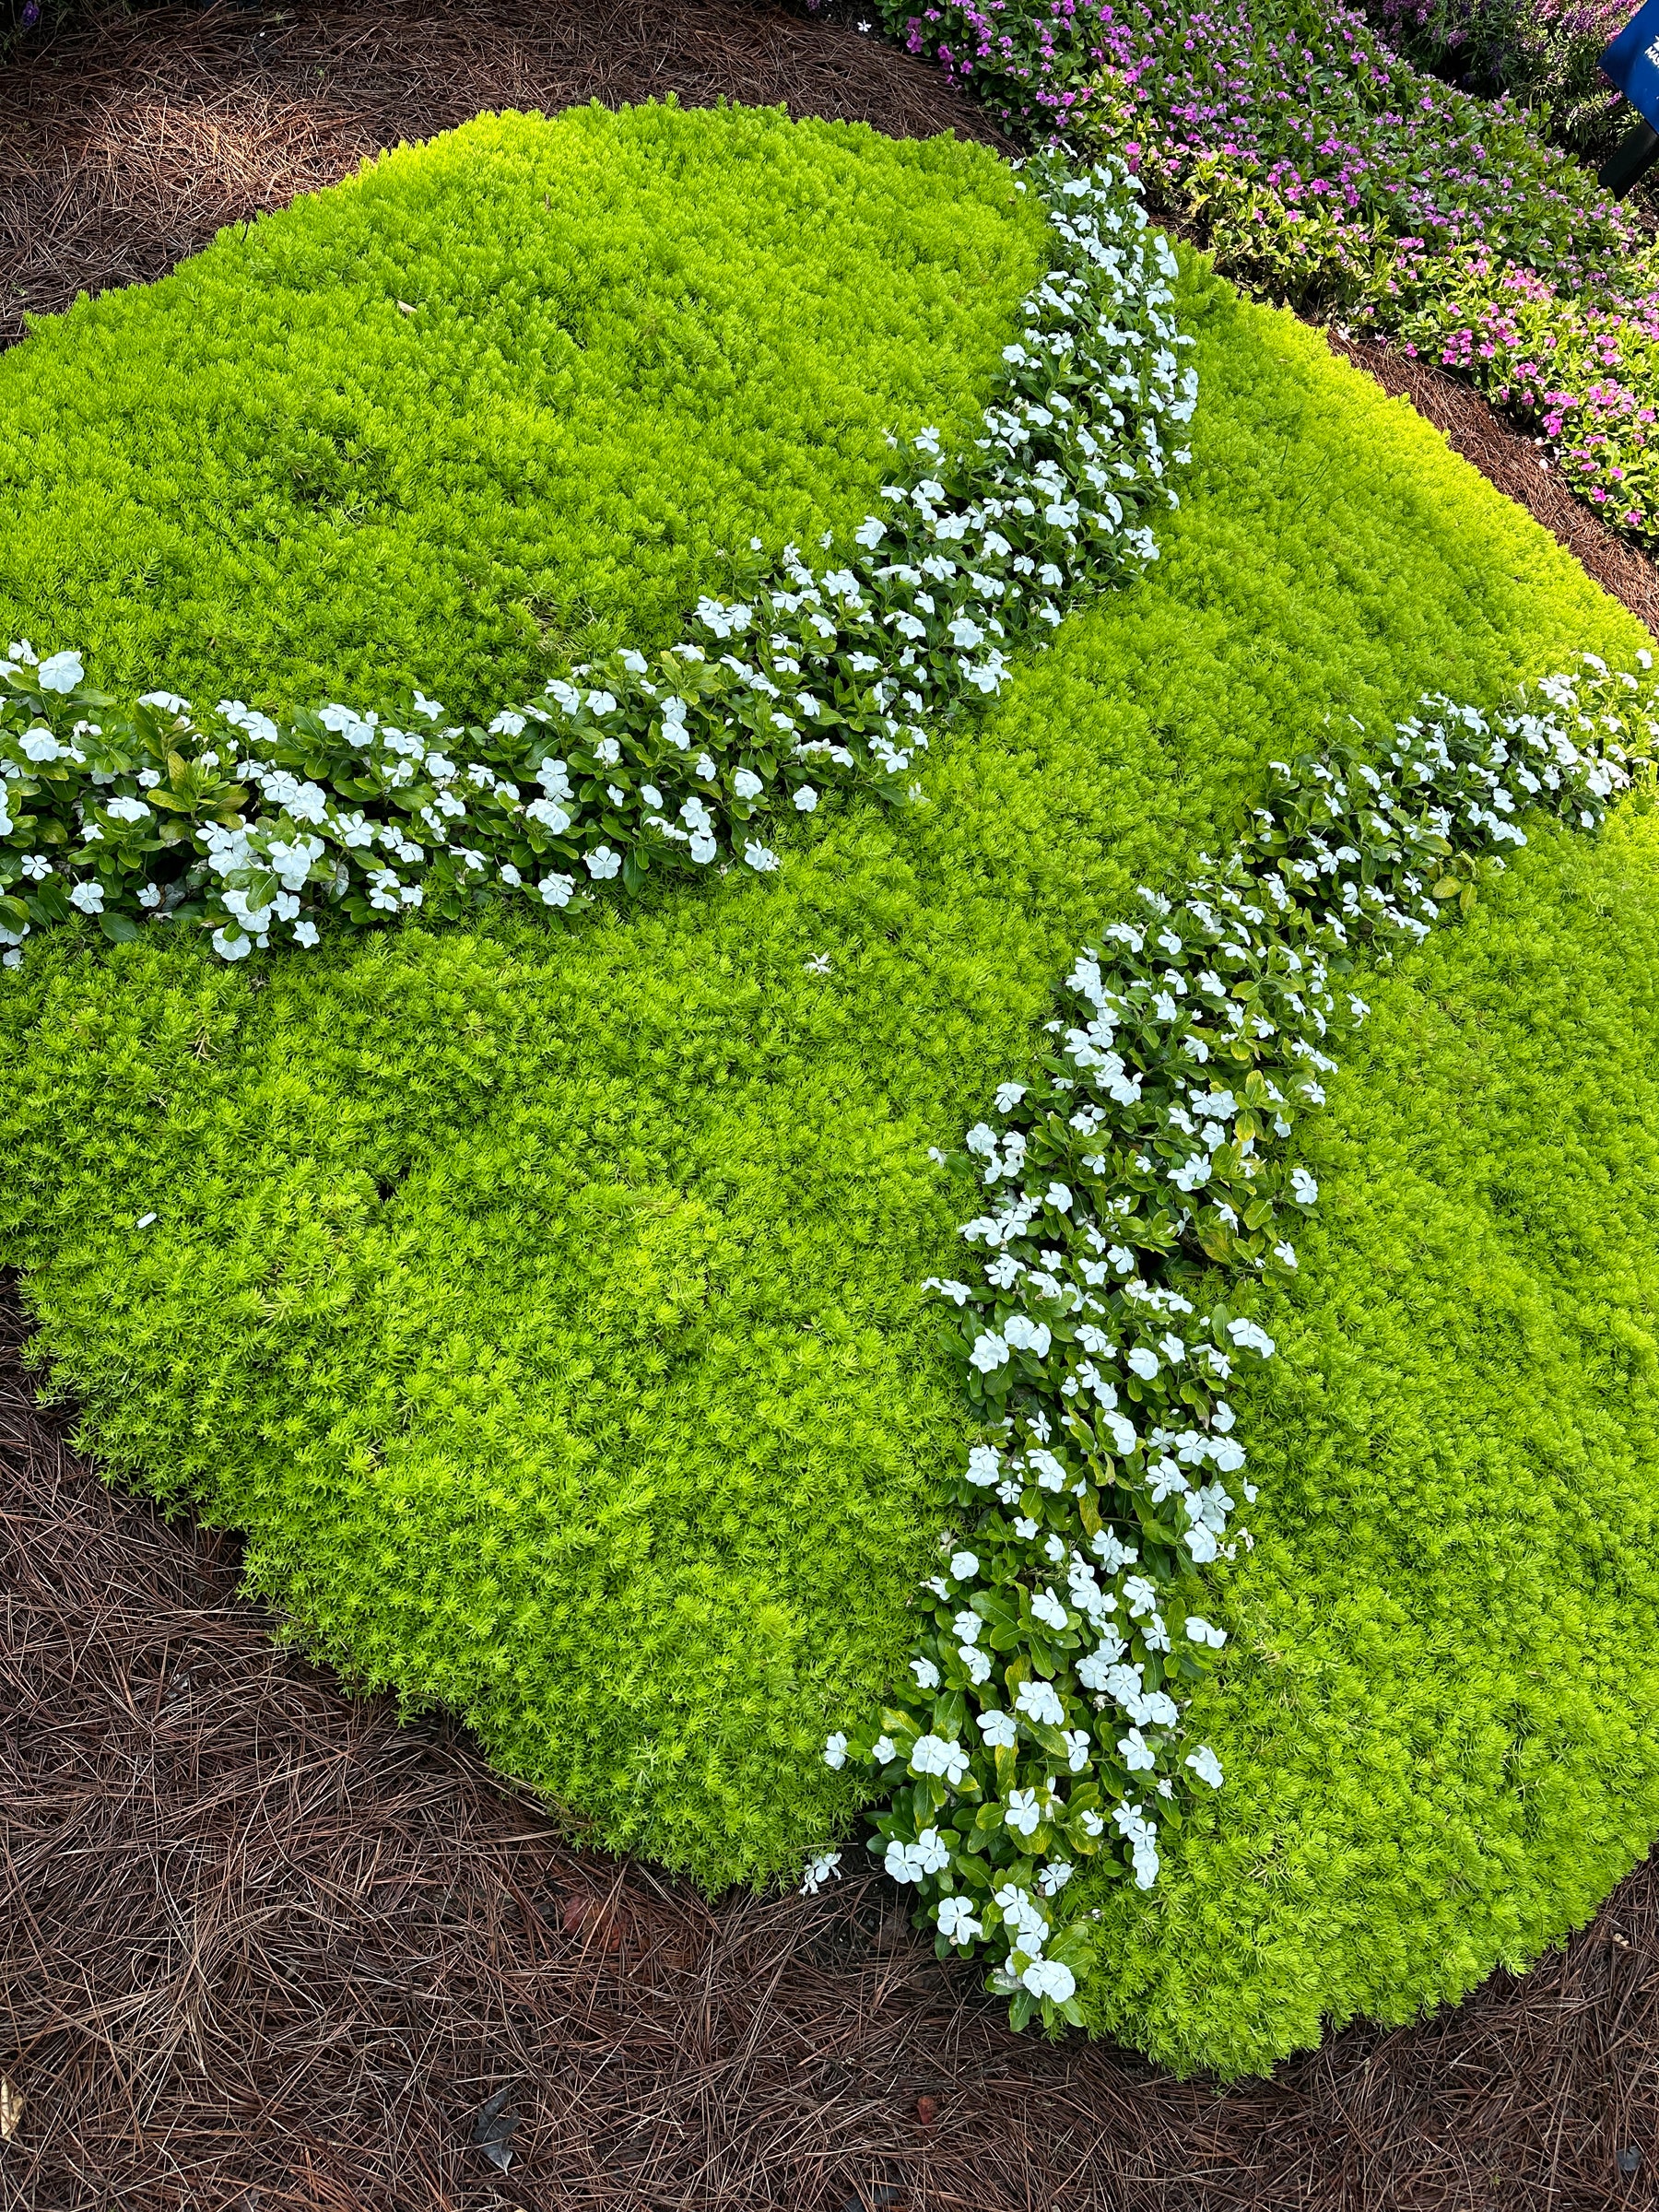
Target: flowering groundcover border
[
  {"x": 630, "y": 764},
  {"x": 1147, "y": 1172}
]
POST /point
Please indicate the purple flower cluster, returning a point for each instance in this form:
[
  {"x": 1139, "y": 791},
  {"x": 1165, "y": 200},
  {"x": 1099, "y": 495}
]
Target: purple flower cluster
[
  {"x": 1548, "y": 53},
  {"x": 1583, "y": 372},
  {"x": 1255, "y": 118},
  {"x": 1327, "y": 171}
]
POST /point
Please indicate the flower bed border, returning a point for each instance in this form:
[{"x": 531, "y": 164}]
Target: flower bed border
[{"x": 631, "y": 765}]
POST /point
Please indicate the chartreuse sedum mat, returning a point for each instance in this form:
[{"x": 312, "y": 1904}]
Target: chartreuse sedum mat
[{"x": 546, "y": 1309}]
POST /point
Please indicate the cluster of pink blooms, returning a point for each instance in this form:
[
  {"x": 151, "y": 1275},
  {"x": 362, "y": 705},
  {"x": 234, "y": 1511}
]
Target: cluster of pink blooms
[
  {"x": 1325, "y": 170},
  {"x": 1546, "y": 52}
]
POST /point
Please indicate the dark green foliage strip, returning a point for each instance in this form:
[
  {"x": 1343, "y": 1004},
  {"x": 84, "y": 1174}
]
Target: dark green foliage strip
[
  {"x": 504, "y": 401},
  {"x": 549, "y": 1312}
]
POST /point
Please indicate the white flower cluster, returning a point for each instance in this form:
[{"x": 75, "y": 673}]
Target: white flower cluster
[
  {"x": 251, "y": 829},
  {"x": 1147, "y": 1154}
]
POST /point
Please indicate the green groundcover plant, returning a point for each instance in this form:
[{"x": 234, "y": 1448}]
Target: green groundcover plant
[
  {"x": 549, "y": 1309},
  {"x": 504, "y": 401}
]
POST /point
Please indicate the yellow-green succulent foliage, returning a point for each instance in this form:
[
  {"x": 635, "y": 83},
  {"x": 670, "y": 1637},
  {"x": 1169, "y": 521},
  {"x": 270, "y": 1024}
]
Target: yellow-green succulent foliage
[
  {"x": 500, "y": 402},
  {"x": 1435, "y": 1714},
  {"x": 548, "y": 1309}
]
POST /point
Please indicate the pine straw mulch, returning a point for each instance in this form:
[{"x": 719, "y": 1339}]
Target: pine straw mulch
[
  {"x": 262, "y": 1948},
  {"x": 127, "y": 141}
]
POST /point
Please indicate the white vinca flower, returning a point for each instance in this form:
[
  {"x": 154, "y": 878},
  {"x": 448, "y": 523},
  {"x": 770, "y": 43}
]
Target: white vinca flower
[
  {"x": 824, "y": 1867},
  {"x": 1047, "y": 1608},
  {"x": 1022, "y": 1812},
  {"x": 1049, "y": 1470},
  {"x": 1027, "y": 1335},
  {"x": 915, "y": 1862},
  {"x": 1049, "y": 1978},
  {"x": 957, "y": 1923},
  {"x": 1121, "y": 1430},
  {"x": 940, "y": 1756},
  {"x": 1039, "y": 1703},
  {"x": 1137, "y": 1753},
  {"x": 62, "y": 673},
  {"x": 1249, "y": 1338}
]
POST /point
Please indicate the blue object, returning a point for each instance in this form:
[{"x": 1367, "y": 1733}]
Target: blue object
[{"x": 1632, "y": 61}]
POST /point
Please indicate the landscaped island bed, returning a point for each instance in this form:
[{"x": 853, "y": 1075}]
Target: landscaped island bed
[{"x": 547, "y": 1308}]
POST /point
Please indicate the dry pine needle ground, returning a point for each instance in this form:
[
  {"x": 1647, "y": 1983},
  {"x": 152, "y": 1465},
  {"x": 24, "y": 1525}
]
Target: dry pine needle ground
[{"x": 262, "y": 1948}]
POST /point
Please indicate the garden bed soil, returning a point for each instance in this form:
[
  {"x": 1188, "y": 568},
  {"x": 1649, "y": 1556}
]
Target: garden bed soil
[{"x": 261, "y": 1946}]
